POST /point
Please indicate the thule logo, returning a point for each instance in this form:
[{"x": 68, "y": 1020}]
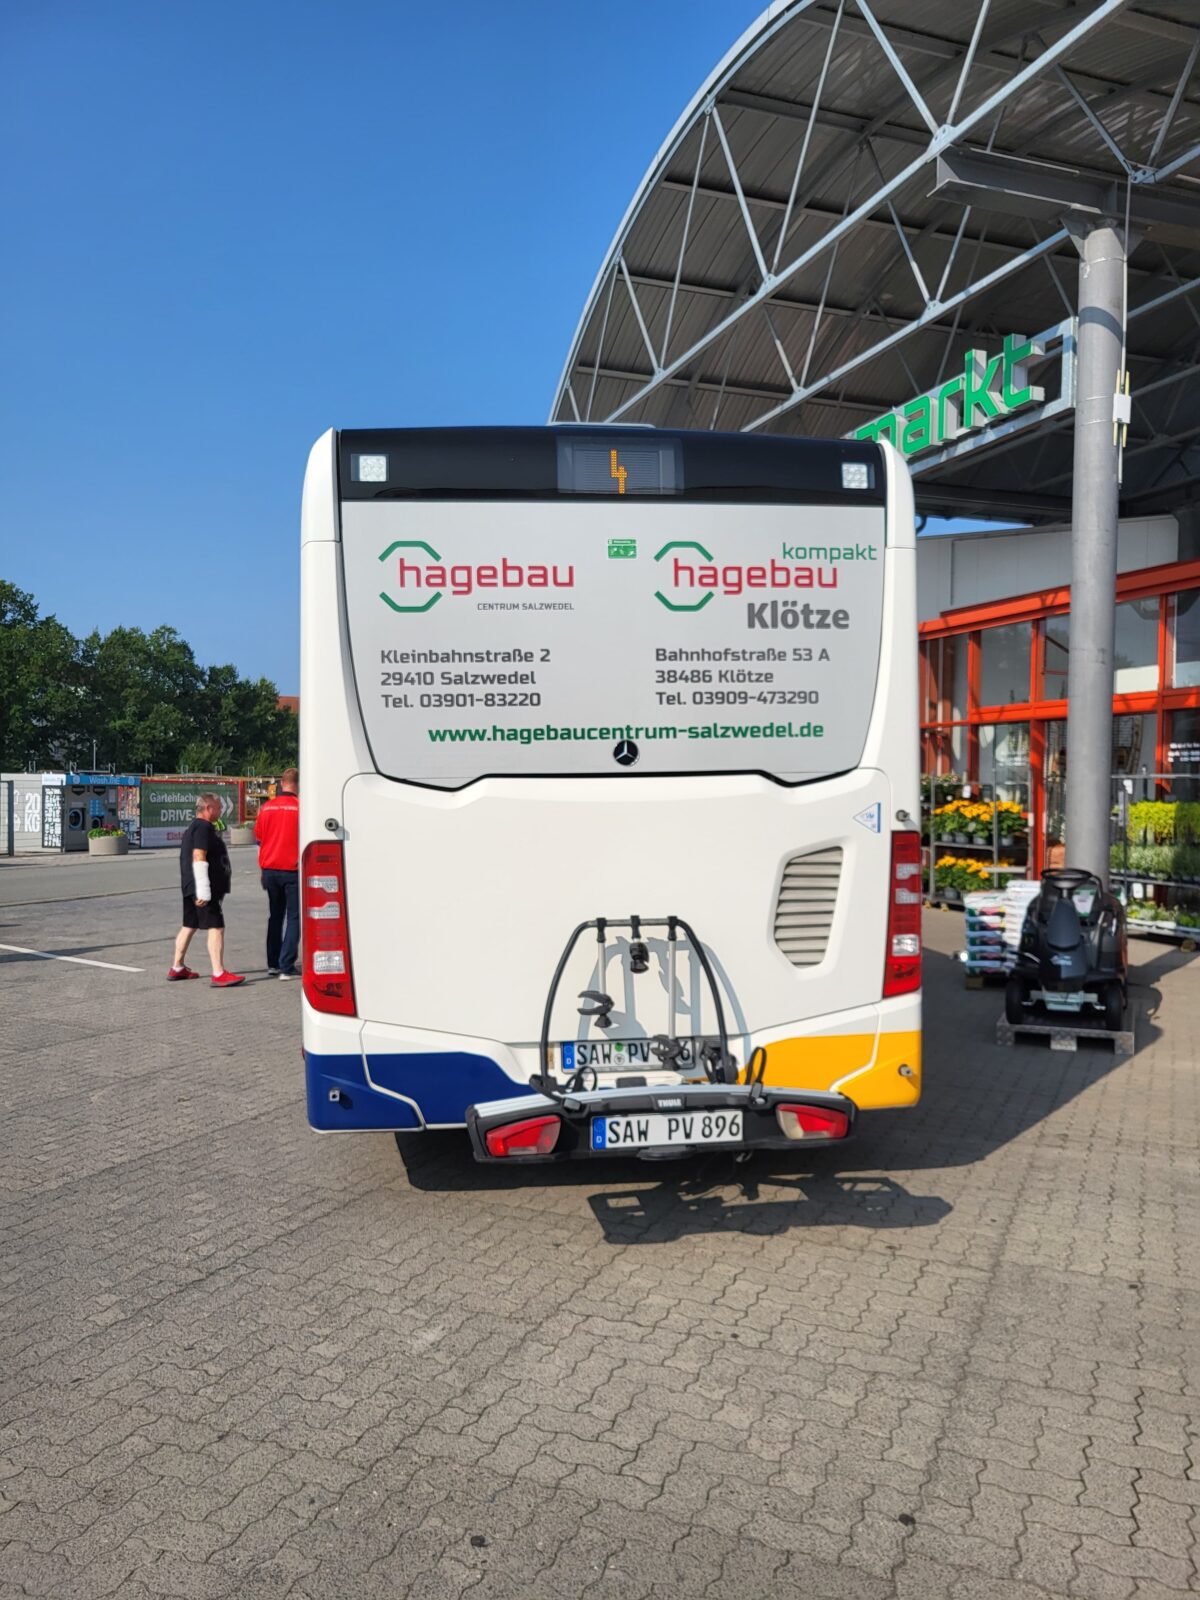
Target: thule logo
[{"x": 674, "y": 1104}]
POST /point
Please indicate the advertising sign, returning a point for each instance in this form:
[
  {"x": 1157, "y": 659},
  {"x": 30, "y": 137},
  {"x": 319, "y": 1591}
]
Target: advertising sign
[
  {"x": 583, "y": 638},
  {"x": 167, "y": 808},
  {"x": 973, "y": 398},
  {"x": 52, "y": 808},
  {"x": 991, "y": 397}
]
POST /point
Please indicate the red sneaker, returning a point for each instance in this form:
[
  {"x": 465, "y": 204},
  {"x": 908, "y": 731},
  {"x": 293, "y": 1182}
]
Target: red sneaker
[
  {"x": 227, "y": 980},
  {"x": 177, "y": 974}
]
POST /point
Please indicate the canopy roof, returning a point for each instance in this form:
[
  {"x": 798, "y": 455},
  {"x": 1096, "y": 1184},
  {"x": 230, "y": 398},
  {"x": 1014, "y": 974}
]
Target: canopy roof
[{"x": 786, "y": 264}]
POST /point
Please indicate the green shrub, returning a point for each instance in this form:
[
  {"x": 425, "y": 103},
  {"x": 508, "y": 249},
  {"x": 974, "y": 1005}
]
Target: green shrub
[
  {"x": 1140, "y": 859},
  {"x": 105, "y": 832},
  {"x": 1153, "y": 821},
  {"x": 1162, "y": 860}
]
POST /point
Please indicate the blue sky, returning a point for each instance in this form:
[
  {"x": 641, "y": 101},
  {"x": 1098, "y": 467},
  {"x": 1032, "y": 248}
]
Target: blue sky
[{"x": 231, "y": 226}]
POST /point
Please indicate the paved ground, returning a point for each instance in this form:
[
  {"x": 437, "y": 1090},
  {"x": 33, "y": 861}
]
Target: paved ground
[{"x": 959, "y": 1359}]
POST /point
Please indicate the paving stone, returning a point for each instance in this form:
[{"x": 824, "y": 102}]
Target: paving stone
[{"x": 243, "y": 1363}]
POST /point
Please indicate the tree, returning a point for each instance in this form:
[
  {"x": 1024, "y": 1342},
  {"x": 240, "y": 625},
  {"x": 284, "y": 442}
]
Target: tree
[
  {"x": 42, "y": 715},
  {"x": 243, "y": 716},
  {"x": 143, "y": 697},
  {"x": 200, "y": 756}
]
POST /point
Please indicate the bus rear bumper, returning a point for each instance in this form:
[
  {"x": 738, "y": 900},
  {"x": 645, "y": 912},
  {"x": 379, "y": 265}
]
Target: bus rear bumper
[{"x": 370, "y": 1076}]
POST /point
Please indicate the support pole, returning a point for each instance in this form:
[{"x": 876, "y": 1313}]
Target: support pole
[{"x": 1094, "y": 546}]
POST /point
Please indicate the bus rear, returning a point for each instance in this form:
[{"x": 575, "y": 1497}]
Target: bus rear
[{"x": 609, "y": 740}]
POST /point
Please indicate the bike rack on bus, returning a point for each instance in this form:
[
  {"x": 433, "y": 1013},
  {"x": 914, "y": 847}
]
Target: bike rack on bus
[{"x": 719, "y": 1067}]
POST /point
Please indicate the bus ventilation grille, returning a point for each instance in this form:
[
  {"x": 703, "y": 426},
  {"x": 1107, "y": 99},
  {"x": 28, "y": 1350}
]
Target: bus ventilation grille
[{"x": 804, "y": 911}]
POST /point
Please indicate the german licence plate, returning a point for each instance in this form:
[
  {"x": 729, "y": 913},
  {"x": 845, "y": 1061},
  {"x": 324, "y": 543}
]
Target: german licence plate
[
  {"x": 612, "y": 1055},
  {"x": 659, "y": 1128}
]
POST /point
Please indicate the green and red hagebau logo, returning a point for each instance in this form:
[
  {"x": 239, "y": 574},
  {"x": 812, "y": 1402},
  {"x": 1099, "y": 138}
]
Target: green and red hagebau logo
[
  {"x": 421, "y": 577},
  {"x": 692, "y": 576}
]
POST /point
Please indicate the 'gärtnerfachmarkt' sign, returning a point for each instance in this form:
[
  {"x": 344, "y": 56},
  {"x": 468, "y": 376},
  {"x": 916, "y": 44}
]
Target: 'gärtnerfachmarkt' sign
[{"x": 987, "y": 390}]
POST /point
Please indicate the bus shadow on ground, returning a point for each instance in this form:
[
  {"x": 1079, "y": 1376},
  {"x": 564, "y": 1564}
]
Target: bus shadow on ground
[
  {"x": 647, "y": 1202},
  {"x": 977, "y": 1097},
  {"x": 669, "y": 1211}
]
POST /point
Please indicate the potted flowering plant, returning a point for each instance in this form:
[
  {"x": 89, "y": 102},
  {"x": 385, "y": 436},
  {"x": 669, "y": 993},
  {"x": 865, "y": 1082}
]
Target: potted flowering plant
[
  {"x": 241, "y": 832},
  {"x": 107, "y": 840},
  {"x": 1012, "y": 823},
  {"x": 954, "y": 821},
  {"x": 978, "y": 817},
  {"x": 959, "y": 875}
]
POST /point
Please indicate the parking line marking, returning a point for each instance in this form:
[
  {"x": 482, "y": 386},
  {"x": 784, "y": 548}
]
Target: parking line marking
[{"x": 79, "y": 961}]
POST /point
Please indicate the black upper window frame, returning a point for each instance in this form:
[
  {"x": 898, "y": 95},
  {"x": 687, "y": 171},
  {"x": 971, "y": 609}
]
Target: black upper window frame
[{"x": 522, "y": 464}]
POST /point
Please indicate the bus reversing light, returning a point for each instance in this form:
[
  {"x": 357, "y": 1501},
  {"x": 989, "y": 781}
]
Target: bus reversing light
[
  {"x": 328, "y": 980},
  {"x": 812, "y": 1122},
  {"x": 536, "y": 1137},
  {"x": 902, "y": 963}
]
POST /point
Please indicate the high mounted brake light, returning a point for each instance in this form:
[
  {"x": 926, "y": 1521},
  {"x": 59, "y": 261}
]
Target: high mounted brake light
[
  {"x": 902, "y": 962},
  {"x": 328, "y": 980},
  {"x": 535, "y": 1137}
]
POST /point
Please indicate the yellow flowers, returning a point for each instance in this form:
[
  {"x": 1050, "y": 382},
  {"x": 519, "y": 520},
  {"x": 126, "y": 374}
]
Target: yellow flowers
[
  {"x": 979, "y": 810},
  {"x": 976, "y": 818},
  {"x": 966, "y": 863}
]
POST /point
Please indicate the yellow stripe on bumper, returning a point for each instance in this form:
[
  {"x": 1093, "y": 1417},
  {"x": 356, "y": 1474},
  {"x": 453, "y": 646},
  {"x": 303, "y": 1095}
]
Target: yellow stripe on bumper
[{"x": 873, "y": 1078}]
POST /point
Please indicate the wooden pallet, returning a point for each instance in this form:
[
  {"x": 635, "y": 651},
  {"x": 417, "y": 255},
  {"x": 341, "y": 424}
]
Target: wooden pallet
[
  {"x": 984, "y": 980},
  {"x": 1063, "y": 1036},
  {"x": 1186, "y": 938}
]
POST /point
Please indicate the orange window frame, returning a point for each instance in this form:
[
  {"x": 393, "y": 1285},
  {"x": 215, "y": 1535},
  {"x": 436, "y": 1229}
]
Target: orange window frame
[{"x": 969, "y": 622}]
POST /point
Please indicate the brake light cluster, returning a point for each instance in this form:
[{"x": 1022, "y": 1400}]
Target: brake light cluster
[
  {"x": 902, "y": 963},
  {"x": 328, "y": 980},
  {"x": 812, "y": 1122},
  {"x": 535, "y": 1137}
]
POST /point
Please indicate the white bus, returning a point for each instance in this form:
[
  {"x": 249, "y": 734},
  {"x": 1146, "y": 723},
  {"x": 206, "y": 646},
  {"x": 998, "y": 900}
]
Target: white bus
[{"x": 608, "y": 821}]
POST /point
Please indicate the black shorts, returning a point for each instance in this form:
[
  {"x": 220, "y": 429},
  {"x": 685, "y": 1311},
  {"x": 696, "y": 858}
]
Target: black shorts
[{"x": 208, "y": 915}]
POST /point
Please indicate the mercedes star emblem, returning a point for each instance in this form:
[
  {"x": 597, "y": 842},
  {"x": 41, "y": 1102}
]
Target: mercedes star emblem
[{"x": 626, "y": 753}]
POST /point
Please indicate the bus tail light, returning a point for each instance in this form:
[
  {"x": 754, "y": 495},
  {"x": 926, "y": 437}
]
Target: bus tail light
[
  {"x": 902, "y": 965},
  {"x": 325, "y": 935},
  {"x": 812, "y": 1122},
  {"x": 535, "y": 1137}
]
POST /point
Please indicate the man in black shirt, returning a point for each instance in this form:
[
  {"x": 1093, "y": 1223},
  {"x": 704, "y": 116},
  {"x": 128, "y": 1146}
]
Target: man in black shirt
[{"x": 206, "y": 880}]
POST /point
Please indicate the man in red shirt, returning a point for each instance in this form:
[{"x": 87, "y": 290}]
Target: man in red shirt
[{"x": 277, "y": 830}]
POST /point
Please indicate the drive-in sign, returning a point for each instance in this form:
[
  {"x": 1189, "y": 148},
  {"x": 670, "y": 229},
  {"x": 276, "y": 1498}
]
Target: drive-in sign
[
  {"x": 167, "y": 808},
  {"x": 616, "y": 639}
]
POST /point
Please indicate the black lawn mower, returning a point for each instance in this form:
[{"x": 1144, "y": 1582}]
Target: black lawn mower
[{"x": 1072, "y": 954}]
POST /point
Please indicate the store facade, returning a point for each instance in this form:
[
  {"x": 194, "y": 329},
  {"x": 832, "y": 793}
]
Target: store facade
[{"x": 995, "y": 675}]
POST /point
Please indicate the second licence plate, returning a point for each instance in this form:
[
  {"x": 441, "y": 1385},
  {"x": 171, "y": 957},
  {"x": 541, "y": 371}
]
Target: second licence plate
[
  {"x": 612, "y": 1055},
  {"x": 658, "y": 1128}
]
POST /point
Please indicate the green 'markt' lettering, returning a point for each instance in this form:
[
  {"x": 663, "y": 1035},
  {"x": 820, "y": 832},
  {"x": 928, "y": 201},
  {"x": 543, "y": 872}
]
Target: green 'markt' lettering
[
  {"x": 1014, "y": 390},
  {"x": 979, "y": 377},
  {"x": 918, "y": 425},
  {"x": 948, "y": 428},
  {"x": 879, "y": 428}
]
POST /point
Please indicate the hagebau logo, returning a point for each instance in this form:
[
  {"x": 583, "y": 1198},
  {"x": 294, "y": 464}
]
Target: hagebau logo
[{"x": 422, "y": 579}]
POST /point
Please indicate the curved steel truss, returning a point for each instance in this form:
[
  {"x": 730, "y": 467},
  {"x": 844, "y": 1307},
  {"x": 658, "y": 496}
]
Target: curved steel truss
[{"x": 807, "y": 249}]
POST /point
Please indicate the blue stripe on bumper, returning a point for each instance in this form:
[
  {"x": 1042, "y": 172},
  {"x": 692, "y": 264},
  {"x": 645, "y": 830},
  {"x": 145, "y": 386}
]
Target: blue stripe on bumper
[{"x": 443, "y": 1084}]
